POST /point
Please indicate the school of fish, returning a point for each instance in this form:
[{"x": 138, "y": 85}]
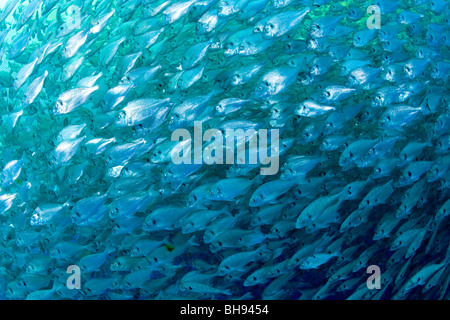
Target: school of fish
[{"x": 91, "y": 91}]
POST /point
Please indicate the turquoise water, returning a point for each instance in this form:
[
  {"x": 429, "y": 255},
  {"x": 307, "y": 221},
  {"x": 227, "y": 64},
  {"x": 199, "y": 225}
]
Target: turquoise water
[{"x": 343, "y": 162}]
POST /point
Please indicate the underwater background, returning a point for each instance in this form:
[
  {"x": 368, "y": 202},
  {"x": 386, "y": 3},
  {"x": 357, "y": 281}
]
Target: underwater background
[{"x": 354, "y": 96}]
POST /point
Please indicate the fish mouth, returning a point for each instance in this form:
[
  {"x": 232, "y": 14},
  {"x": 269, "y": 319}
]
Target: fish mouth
[
  {"x": 231, "y": 52},
  {"x": 316, "y": 31},
  {"x": 224, "y": 10},
  {"x": 55, "y": 110}
]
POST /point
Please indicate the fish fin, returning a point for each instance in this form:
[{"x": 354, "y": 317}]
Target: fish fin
[
  {"x": 192, "y": 242},
  {"x": 258, "y": 180}
]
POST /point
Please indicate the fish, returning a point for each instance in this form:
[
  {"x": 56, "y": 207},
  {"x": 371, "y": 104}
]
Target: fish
[
  {"x": 280, "y": 24},
  {"x": 138, "y": 111},
  {"x": 34, "y": 89},
  {"x": 72, "y": 99},
  {"x": 92, "y": 92},
  {"x": 269, "y": 192}
]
